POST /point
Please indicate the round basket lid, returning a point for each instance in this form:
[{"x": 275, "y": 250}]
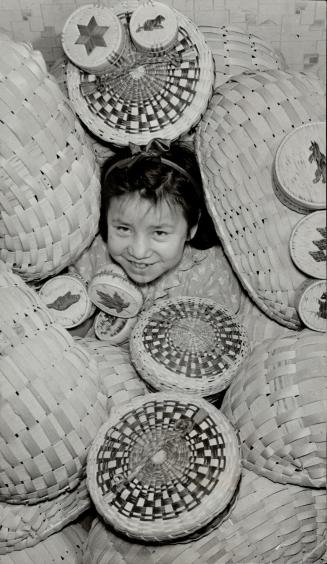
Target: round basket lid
[
  {"x": 67, "y": 298},
  {"x": 308, "y": 244},
  {"x": 148, "y": 95},
  {"x": 312, "y": 305},
  {"x": 163, "y": 466},
  {"x": 153, "y": 27},
  {"x": 113, "y": 329},
  {"x": 111, "y": 291},
  {"x": 188, "y": 344},
  {"x": 300, "y": 168},
  {"x": 93, "y": 38}
]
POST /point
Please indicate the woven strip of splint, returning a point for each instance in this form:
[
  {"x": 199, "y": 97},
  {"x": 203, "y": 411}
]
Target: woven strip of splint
[
  {"x": 49, "y": 179},
  {"x": 278, "y": 404},
  {"x": 50, "y": 410},
  {"x": 270, "y": 524},
  {"x": 236, "y": 143}
]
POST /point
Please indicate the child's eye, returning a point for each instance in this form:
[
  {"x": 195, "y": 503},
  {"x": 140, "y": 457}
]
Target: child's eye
[
  {"x": 122, "y": 229},
  {"x": 160, "y": 234}
]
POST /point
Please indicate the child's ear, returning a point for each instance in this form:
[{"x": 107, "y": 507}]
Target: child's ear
[{"x": 193, "y": 231}]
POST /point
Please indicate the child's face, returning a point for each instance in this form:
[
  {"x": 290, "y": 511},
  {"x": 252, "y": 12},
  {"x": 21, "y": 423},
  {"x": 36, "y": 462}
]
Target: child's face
[{"x": 146, "y": 240}]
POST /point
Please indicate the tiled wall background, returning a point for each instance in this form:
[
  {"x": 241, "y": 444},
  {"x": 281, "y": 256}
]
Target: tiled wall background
[{"x": 297, "y": 29}]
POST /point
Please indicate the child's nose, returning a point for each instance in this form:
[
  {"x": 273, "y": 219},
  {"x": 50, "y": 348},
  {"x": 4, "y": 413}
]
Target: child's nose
[{"x": 139, "y": 248}]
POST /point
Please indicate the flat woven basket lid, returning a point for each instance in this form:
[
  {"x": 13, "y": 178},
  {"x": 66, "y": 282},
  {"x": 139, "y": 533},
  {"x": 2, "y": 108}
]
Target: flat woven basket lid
[
  {"x": 312, "y": 305},
  {"x": 308, "y": 244},
  {"x": 146, "y": 95},
  {"x": 154, "y": 27},
  {"x": 113, "y": 329},
  {"x": 188, "y": 344},
  {"x": 163, "y": 466},
  {"x": 112, "y": 291},
  {"x": 300, "y": 167}
]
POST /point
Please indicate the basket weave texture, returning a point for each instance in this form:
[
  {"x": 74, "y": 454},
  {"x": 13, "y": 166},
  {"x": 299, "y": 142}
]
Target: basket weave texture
[
  {"x": 278, "y": 404},
  {"x": 190, "y": 345},
  {"x": 270, "y": 524},
  {"x": 24, "y": 526},
  {"x": 49, "y": 411},
  {"x": 49, "y": 195},
  {"x": 163, "y": 466},
  {"x": 236, "y": 143}
]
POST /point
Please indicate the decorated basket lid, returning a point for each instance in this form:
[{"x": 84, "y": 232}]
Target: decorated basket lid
[
  {"x": 312, "y": 304},
  {"x": 300, "y": 168},
  {"x": 191, "y": 345},
  {"x": 67, "y": 298},
  {"x": 163, "y": 466},
  {"x": 153, "y": 27},
  {"x": 111, "y": 291},
  {"x": 149, "y": 94},
  {"x": 93, "y": 38},
  {"x": 308, "y": 244},
  {"x": 113, "y": 329}
]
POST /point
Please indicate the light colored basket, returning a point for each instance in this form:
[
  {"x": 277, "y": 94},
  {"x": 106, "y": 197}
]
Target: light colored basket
[
  {"x": 49, "y": 195},
  {"x": 163, "y": 466},
  {"x": 23, "y": 526},
  {"x": 50, "y": 411},
  {"x": 236, "y": 143},
  {"x": 270, "y": 524},
  {"x": 114, "y": 330},
  {"x": 154, "y": 27},
  {"x": 311, "y": 303},
  {"x": 148, "y": 95},
  {"x": 189, "y": 345},
  {"x": 308, "y": 244},
  {"x": 236, "y": 51},
  {"x": 278, "y": 404}
]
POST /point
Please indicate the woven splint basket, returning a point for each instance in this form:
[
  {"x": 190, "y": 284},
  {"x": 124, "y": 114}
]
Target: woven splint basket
[
  {"x": 50, "y": 411},
  {"x": 236, "y": 143},
  {"x": 49, "y": 179},
  {"x": 270, "y": 524},
  {"x": 163, "y": 466},
  {"x": 278, "y": 404}
]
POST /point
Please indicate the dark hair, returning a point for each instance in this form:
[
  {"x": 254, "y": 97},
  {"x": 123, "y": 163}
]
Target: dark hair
[{"x": 155, "y": 180}]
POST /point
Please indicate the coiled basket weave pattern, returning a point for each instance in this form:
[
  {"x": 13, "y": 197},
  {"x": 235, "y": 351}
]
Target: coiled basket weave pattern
[
  {"x": 271, "y": 523},
  {"x": 236, "y": 143},
  {"x": 49, "y": 179},
  {"x": 163, "y": 466},
  {"x": 278, "y": 404},
  {"x": 49, "y": 410}
]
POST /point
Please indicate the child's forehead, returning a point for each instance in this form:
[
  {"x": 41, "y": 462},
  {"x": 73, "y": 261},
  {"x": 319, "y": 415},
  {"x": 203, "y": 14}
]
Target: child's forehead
[{"x": 130, "y": 207}]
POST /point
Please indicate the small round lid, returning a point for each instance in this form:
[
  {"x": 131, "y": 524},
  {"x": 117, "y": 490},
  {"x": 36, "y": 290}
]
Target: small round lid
[
  {"x": 300, "y": 167},
  {"x": 163, "y": 466},
  {"x": 153, "y": 27},
  {"x": 67, "y": 298},
  {"x": 308, "y": 244},
  {"x": 113, "y": 329},
  {"x": 93, "y": 38},
  {"x": 111, "y": 291},
  {"x": 312, "y": 305}
]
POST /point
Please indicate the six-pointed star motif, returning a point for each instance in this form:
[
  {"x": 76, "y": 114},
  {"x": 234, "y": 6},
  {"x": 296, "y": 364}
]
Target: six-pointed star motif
[{"x": 91, "y": 35}]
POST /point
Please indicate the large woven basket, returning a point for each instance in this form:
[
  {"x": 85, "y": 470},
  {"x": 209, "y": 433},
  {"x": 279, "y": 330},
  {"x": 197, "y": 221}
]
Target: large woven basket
[
  {"x": 236, "y": 143},
  {"x": 50, "y": 411},
  {"x": 188, "y": 345},
  {"x": 49, "y": 179},
  {"x": 270, "y": 524},
  {"x": 163, "y": 467},
  {"x": 278, "y": 404},
  {"x": 146, "y": 95}
]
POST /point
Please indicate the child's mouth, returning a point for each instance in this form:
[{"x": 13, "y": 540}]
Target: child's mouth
[{"x": 139, "y": 265}]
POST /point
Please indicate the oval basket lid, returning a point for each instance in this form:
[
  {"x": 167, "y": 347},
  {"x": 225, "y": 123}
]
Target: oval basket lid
[
  {"x": 191, "y": 345},
  {"x": 67, "y": 298},
  {"x": 163, "y": 466},
  {"x": 153, "y": 27},
  {"x": 312, "y": 305},
  {"x": 308, "y": 244},
  {"x": 113, "y": 329},
  {"x": 111, "y": 291},
  {"x": 300, "y": 167},
  {"x": 147, "y": 95},
  {"x": 93, "y": 38}
]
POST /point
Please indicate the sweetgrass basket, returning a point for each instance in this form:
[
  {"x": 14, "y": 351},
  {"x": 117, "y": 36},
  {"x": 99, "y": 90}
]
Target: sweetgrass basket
[
  {"x": 236, "y": 143},
  {"x": 311, "y": 303},
  {"x": 163, "y": 466},
  {"x": 270, "y": 524},
  {"x": 278, "y": 404},
  {"x": 50, "y": 411},
  {"x": 308, "y": 244},
  {"x": 189, "y": 345},
  {"x": 146, "y": 95},
  {"x": 24, "y": 526},
  {"x": 49, "y": 195}
]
